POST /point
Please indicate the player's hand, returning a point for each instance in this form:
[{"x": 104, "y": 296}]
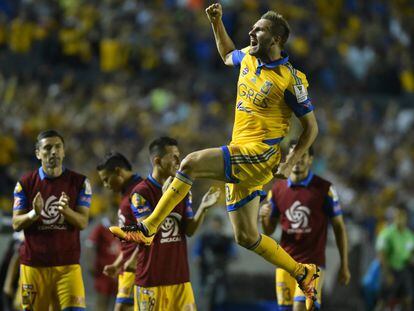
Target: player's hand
[
  {"x": 167, "y": 183},
  {"x": 111, "y": 270},
  {"x": 344, "y": 275},
  {"x": 131, "y": 264},
  {"x": 210, "y": 198},
  {"x": 63, "y": 202},
  {"x": 214, "y": 12},
  {"x": 283, "y": 170},
  {"x": 38, "y": 204},
  {"x": 265, "y": 210},
  {"x": 8, "y": 290}
]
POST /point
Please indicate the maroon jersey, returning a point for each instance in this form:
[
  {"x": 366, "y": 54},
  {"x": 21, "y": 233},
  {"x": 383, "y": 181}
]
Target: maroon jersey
[
  {"x": 107, "y": 248},
  {"x": 51, "y": 240},
  {"x": 126, "y": 217},
  {"x": 304, "y": 210},
  {"x": 165, "y": 261}
]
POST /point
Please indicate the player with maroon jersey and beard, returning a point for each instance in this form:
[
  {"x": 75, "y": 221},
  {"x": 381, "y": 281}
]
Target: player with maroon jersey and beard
[
  {"x": 162, "y": 275},
  {"x": 51, "y": 205},
  {"x": 305, "y": 204},
  {"x": 116, "y": 174}
]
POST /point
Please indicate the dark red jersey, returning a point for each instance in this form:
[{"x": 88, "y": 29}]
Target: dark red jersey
[
  {"x": 51, "y": 240},
  {"x": 126, "y": 217},
  {"x": 304, "y": 210},
  {"x": 165, "y": 261},
  {"x": 107, "y": 249}
]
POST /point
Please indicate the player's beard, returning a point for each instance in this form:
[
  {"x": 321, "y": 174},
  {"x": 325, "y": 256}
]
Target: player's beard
[{"x": 261, "y": 51}]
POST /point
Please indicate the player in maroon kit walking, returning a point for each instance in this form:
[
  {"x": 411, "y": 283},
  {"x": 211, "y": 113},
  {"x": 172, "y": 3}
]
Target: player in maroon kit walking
[
  {"x": 162, "y": 275},
  {"x": 102, "y": 248},
  {"x": 304, "y": 204},
  {"x": 51, "y": 205},
  {"x": 116, "y": 174}
]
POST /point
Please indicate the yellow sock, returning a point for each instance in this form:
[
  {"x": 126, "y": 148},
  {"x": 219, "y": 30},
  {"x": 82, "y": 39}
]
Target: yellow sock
[
  {"x": 275, "y": 254},
  {"x": 175, "y": 193}
]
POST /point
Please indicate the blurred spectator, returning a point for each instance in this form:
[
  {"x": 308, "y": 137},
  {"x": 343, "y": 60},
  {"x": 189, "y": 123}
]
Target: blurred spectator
[
  {"x": 395, "y": 246},
  {"x": 213, "y": 253}
]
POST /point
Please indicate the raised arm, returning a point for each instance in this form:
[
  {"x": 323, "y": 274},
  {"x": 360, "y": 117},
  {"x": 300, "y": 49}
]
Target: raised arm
[
  {"x": 209, "y": 199},
  {"x": 224, "y": 44}
]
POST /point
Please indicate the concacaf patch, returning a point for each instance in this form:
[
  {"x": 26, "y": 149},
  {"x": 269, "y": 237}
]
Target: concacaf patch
[
  {"x": 88, "y": 188},
  {"x": 137, "y": 200},
  {"x": 18, "y": 188},
  {"x": 301, "y": 93}
]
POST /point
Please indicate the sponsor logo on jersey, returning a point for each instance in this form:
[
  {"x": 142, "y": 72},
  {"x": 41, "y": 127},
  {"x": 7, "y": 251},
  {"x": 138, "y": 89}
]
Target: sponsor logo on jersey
[
  {"x": 249, "y": 94},
  {"x": 51, "y": 216},
  {"x": 243, "y": 108},
  {"x": 245, "y": 71},
  {"x": 298, "y": 216},
  {"x": 170, "y": 229}
]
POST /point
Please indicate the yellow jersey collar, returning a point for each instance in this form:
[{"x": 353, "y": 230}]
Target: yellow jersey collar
[{"x": 271, "y": 65}]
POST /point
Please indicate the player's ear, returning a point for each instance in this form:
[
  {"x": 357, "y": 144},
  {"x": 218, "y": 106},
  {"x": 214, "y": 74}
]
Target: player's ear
[
  {"x": 310, "y": 159},
  {"x": 277, "y": 40},
  {"x": 37, "y": 153},
  {"x": 156, "y": 161},
  {"x": 117, "y": 171}
]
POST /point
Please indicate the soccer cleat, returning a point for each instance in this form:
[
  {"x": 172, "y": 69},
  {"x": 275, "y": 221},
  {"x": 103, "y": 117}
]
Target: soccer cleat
[
  {"x": 133, "y": 233},
  {"x": 306, "y": 276}
]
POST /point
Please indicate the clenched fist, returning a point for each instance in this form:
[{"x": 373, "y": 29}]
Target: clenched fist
[{"x": 214, "y": 13}]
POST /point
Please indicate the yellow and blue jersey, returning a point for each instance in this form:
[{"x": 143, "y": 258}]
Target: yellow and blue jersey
[{"x": 267, "y": 94}]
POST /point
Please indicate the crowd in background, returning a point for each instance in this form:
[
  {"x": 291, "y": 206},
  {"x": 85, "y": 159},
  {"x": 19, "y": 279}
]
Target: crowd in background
[{"x": 114, "y": 74}]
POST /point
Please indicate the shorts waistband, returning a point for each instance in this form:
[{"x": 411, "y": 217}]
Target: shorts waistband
[{"x": 273, "y": 141}]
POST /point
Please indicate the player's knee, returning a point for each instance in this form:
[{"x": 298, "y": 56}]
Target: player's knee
[
  {"x": 245, "y": 239},
  {"x": 189, "y": 163}
]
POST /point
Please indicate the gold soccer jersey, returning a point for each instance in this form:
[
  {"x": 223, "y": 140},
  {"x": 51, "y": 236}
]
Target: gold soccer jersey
[{"x": 266, "y": 96}]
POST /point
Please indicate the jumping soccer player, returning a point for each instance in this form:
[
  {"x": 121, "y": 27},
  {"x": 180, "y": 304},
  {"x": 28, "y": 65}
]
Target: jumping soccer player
[
  {"x": 116, "y": 174},
  {"x": 51, "y": 205},
  {"x": 269, "y": 90},
  {"x": 304, "y": 205}
]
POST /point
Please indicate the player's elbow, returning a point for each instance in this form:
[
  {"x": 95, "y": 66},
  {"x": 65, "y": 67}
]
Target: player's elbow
[
  {"x": 227, "y": 59},
  {"x": 315, "y": 130},
  {"x": 189, "y": 231},
  {"x": 312, "y": 129},
  {"x": 268, "y": 230},
  {"x": 83, "y": 224},
  {"x": 16, "y": 226}
]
